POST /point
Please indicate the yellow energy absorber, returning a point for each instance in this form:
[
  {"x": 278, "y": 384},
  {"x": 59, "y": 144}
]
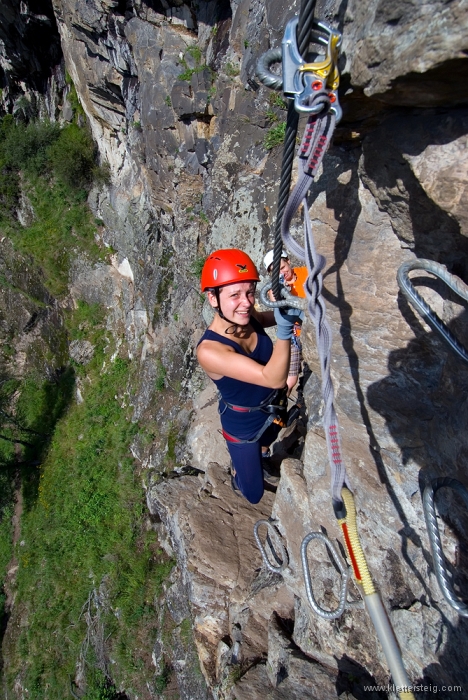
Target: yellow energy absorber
[
  {"x": 353, "y": 544},
  {"x": 372, "y": 599}
]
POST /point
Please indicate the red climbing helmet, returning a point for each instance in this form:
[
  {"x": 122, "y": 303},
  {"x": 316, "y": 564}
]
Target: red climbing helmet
[{"x": 226, "y": 267}]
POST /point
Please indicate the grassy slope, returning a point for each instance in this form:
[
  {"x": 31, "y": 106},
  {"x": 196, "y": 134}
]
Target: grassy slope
[
  {"x": 86, "y": 533},
  {"x": 89, "y": 569}
]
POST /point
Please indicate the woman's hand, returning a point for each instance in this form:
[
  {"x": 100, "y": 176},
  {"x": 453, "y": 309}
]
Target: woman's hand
[{"x": 285, "y": 318}]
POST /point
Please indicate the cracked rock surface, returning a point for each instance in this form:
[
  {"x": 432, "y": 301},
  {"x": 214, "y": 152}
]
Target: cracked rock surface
[{"x": 170, "y": 94}]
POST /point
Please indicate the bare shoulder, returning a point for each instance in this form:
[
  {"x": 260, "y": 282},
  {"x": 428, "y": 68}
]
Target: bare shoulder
[{"x": 209, "y": 354}]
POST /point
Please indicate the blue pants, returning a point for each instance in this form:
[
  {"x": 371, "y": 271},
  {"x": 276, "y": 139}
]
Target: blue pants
[{"x": 247, "y": 463}]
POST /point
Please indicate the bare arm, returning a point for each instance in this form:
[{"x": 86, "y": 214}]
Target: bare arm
[{"x": 222, "y": 361}]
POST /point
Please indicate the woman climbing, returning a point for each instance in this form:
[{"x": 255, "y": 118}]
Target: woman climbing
[{"x": 248, "y": 371}]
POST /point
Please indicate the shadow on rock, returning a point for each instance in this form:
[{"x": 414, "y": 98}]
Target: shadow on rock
[
  {"x": 423, "y": 400},
  {"x": 355, "y": 679}
]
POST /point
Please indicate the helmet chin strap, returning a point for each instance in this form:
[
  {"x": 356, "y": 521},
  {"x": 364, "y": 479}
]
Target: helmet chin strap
[{"x": 221, "y": 315}]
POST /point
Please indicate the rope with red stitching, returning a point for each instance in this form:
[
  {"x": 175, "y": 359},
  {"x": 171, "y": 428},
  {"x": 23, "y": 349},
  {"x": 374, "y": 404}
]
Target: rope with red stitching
[{"x": 315, "y": 142}]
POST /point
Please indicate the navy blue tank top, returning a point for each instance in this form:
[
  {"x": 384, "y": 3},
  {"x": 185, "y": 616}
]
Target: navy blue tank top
[{"x": 239, "y": 393}]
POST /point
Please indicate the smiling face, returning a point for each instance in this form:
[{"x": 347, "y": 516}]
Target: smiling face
[
  {"x": 237, "y": 301},
  {"x": 285, "y": 270}
]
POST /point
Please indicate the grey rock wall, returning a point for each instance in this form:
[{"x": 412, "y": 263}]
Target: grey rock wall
[{"x": 170, "y": 94}]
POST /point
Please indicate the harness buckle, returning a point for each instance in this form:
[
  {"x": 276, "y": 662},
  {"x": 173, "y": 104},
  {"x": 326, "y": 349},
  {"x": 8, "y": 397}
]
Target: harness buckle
[{"x": 312, "y": 85}]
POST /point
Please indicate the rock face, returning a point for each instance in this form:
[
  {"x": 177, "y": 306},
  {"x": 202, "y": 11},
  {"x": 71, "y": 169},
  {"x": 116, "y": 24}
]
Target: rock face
[{"x": 170, "y": 93}]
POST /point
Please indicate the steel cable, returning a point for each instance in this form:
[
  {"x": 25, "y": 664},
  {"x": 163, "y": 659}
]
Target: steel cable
[
  {"x": 440, "y": 567},
  {"x": 304, "y": 28}
]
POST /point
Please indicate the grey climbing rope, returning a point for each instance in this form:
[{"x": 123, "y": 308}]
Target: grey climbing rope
[
  {"x": 311, "y": 151},
  {"x": 440, "y": 567},
  {"x": 344, "y": 572},
  {"x": 421, "y": 306},
  {"x": 316, "y": 86},
  {"x": 281, "y": 558}
]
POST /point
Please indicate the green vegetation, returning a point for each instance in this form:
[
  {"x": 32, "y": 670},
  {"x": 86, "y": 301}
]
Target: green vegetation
[
  {"x": 276, "y": 100},
  {"x": 162, "y": 681},
  {"x": 89, "y": 569},
  {"x": 231, "y": 69},
  {"x": 99, "y": 687},
  {"x": 211, "y": 94},
  {"x": 197, "y": 266},
  {"x": 186, "y": 632},
  {"x": 172, "y": 437},
  {"x": 271, "y": 115},
  {"x": 160, "y": 382},
  {"x": 52, "y": 169},
  {"x": 196, "y": 55},
  {"x": 77, "y": 109},
  {"x": 275, "y": 136},
  {"x": 168, "y": 101}
]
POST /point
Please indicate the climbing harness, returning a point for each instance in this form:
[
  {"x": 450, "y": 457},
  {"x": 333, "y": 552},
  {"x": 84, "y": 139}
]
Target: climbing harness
[
  {"x": 440, "y": 567},
  {"x": 313, "y": 87},
  {"x": 275, "y": 405},
  {"x": 416, "y": 300},
  {"x": 276, "y": 402}
]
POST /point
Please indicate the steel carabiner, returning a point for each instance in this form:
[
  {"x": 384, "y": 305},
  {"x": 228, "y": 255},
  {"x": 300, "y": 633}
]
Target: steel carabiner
[
  {"x": 281, "y": 558},
  {"x": 344, "y": 572}
]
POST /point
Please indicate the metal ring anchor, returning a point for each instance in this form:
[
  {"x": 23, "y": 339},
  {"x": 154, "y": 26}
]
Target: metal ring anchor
[
  {"x": 281, "y": 558},
  {"x": 263, "y": 72},
  {"x": 290, "y": 301},
  {"x": 440, "y": 567},
  {"x": 344, "y": 572},
  {"x": 421, "y": 306}
]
